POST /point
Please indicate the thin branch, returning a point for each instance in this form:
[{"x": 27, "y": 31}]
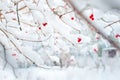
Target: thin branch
[
  {"x": 112, "y": 23},
  {"x": 18, "y": 18},
  {"x": 6, "y": 61}
]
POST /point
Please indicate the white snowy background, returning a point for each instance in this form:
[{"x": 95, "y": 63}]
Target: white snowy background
[{"x": 48, "y": 40}]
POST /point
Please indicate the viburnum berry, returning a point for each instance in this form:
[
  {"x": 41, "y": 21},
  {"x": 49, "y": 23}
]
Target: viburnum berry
[
  {"x": 39, "y": 28},
  {"x": 92, "y": 17},
  {"x": 72, "y": 18},
  {"x": 44, "y": 24},
  {"x": 79, "y": 40},
  {"x": 117, "y": 35},
  {"x": 95, "y": 49},
  {"x": 13, "y": 54}
]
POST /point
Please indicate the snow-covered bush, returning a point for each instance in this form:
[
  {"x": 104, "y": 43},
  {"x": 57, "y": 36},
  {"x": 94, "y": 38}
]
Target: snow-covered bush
[{"x": 63, "y": 33}]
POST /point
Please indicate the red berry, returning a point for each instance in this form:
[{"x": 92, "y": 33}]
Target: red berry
[
  {"x": 13, "y": 54},
  {"x": 79, "y": 40},
  {"x": 39, "y": 28},
  {"x": 95, "y": 50},
  {"x": 44, "y": 24},
  {"x": 117, "y": 35},
  {"x": 91, "y": 17},
  {"x": 72, "y": 18}
]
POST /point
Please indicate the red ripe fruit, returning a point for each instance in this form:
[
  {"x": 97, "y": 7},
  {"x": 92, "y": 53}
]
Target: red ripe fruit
[
  {"x": 117, "y": 35},
  {"x": 39, "y": 28},
  {"x": 95, "y": 50},
  {"x": 13, "y": 54},
  {"x": 44, "y": 24},
  {"x": 79, "y": 40},
  {"x": 72, "y": 18},
  {"x": 91, "y": 17}
]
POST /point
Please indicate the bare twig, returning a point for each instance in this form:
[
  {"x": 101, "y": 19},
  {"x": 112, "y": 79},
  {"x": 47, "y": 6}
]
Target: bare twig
[
  {"x": 112, "y": 23},
  {"x": 6, "y": 61},
  {"x": 18, "y": 15}
]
